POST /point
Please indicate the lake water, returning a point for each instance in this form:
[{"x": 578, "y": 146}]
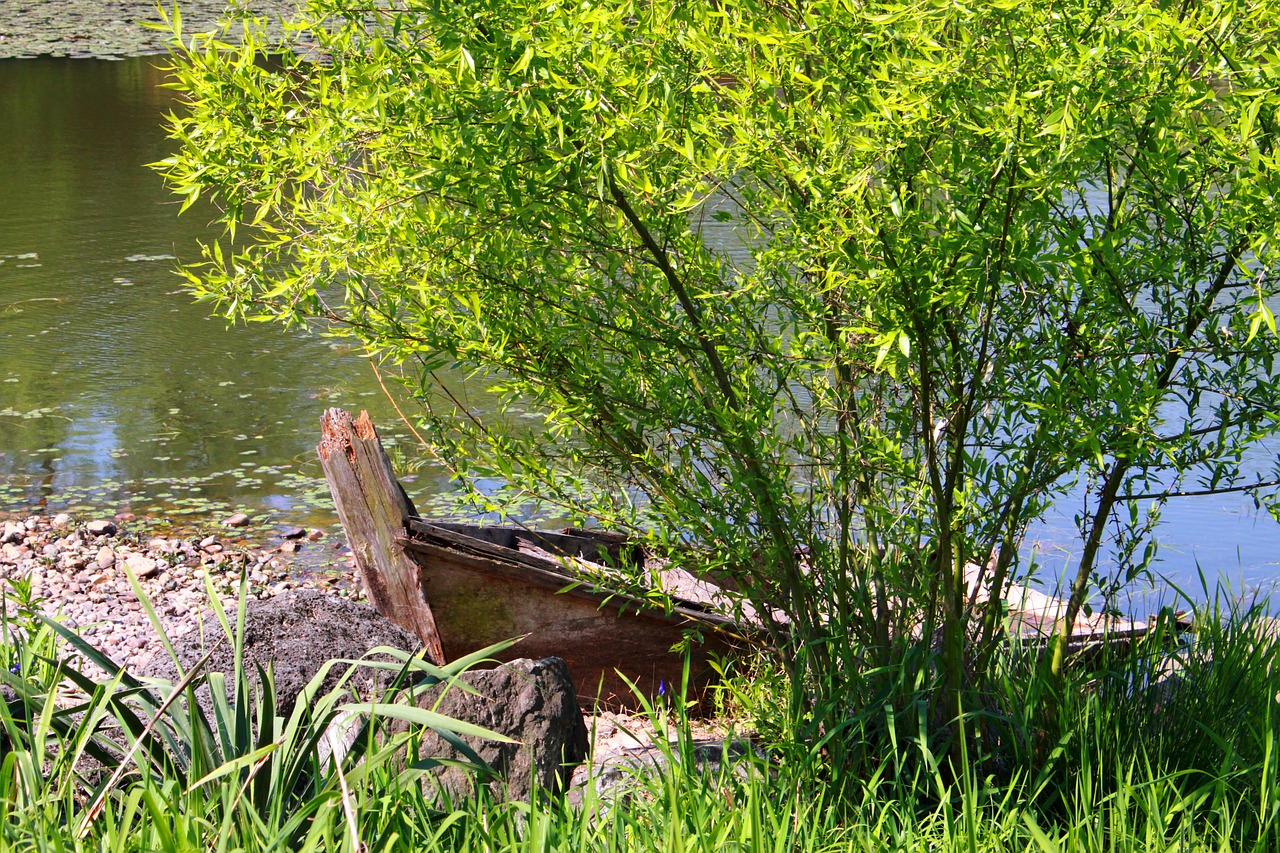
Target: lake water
[{"x": 117, "y": 392}]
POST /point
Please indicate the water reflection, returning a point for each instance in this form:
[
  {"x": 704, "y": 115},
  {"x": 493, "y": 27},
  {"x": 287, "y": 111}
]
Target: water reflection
[{"x": 115, "y": 389}]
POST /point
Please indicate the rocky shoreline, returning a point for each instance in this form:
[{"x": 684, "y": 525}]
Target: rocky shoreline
[{"x": 79, "y": 570}]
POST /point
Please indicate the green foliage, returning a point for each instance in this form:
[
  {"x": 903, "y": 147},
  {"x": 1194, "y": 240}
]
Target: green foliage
[
  {"x": 988, "y": 250},
  {"x": 1200, "y": 709},
  {"x": 118, "y": 763},
  {"x": 1112, "y": 781}
]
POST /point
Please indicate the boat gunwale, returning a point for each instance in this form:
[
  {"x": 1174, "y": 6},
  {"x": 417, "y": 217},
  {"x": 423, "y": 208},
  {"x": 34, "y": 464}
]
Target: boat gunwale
[
  {"x": 531, "y": 568},
  {"x": 512, "y": 563}
]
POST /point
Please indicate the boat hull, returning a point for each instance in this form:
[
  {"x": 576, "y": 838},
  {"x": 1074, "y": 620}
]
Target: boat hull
[{"x": 483, "y": 589}]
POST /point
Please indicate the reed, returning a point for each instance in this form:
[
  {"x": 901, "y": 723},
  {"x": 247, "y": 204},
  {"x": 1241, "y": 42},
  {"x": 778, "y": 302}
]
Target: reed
[{"x": 1125, "y": 762}]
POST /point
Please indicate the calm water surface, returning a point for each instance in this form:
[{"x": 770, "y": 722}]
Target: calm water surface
[{"x": 118, "y": 392}]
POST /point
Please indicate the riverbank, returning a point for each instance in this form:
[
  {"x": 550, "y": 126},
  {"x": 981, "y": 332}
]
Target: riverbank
[
  {"x": 104, "y": 29},
  {"x": 78, "y": 568}
]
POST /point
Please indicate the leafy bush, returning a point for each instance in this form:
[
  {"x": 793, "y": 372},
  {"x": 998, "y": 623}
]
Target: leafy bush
[{"x": 986, "y": 251}]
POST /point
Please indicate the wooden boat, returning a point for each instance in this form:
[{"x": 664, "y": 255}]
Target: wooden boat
[
  {"x": 461, "y": 587},
  {"x": 1033, "y": 617},
  {"x": 488, "y": 584}
]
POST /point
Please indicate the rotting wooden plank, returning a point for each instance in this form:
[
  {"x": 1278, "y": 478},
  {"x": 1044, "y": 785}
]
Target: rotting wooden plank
[
  {"x": 373, "y": 507},
  {"x": 546, "y": 573},
  {"x": 1032, "y": 617},
  {"x": 486, "y": 592}
]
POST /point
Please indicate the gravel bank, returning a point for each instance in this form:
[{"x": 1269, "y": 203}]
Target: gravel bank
[
  {"x": 77, "y": 567},
  {"x": 103, "y": 29}
]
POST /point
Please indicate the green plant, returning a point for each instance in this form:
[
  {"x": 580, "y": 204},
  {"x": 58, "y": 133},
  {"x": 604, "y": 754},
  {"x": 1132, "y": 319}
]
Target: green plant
[
  {"x": 116, "y": 759},
  {"x": 1113, "y": 801},
  {"x": 985, "y": 251}
]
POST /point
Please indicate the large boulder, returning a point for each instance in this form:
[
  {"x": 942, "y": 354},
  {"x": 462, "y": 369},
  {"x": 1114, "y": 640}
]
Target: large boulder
[
  {"x": 532, "y": 702},
  {"x": 294, "y": 633}
]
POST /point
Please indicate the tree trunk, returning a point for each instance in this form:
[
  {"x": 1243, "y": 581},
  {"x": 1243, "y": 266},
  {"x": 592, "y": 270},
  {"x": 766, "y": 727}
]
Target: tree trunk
[{"x": 373, "y": 507}]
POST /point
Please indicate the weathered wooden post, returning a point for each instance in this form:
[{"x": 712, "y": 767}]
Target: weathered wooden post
[{"x": 373, "y": 509}]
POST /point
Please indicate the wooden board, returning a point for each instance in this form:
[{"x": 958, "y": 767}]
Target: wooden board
[
  {"x": 373, "y": 507},
  {"x": 483, "y": 589},
  {"x": 1032, "y": 617}
]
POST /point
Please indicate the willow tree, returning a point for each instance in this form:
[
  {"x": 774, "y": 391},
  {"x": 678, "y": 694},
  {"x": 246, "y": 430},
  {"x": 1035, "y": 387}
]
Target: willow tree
[{"x": 986, "y": 250}]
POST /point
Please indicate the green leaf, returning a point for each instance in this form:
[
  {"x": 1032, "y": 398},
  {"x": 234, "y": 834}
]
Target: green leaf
[
  {"x": 234, "y": 766},
  {"x": 425, "y": 717},
  {"x": 523, "y": 62}
]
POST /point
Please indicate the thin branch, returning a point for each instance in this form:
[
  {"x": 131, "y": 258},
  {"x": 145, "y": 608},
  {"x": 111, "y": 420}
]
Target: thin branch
[{"x": 1261, "y": 484}]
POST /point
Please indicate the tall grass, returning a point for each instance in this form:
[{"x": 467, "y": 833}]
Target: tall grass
[
  {"x": 1115, "y": 761},
  {"x": 123, "y": 764}
]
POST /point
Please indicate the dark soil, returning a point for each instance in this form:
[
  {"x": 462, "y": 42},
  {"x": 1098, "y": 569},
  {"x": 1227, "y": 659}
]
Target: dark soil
[{"x": 293, "y": 634}]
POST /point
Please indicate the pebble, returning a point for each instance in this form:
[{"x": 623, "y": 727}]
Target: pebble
[
  {"x": 237, "y": 520},
  {"x": 143, "y": 567},
  {"x": 102, "y": 527},
  {"x": 13, "y": 532},
  {"x": 83, "y": 583}
]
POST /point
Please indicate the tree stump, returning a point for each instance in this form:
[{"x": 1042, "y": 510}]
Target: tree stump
[{"x": 373, "y": 507}]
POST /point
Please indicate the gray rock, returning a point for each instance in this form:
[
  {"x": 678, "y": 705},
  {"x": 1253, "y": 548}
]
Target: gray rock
[
  {"x": 102, "y": 527},
  {"x": 61, "y": 521},
  {"x": 294, "y": 634},
  {"x": 615, "y": 776},
  {"x": 106, "y": 557},
  {"x": 143, "y": 567},
  {"x": 13, "y": 533},
  {"x": 237, "y": 520},
  {"x": 533, "y": 702}
]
